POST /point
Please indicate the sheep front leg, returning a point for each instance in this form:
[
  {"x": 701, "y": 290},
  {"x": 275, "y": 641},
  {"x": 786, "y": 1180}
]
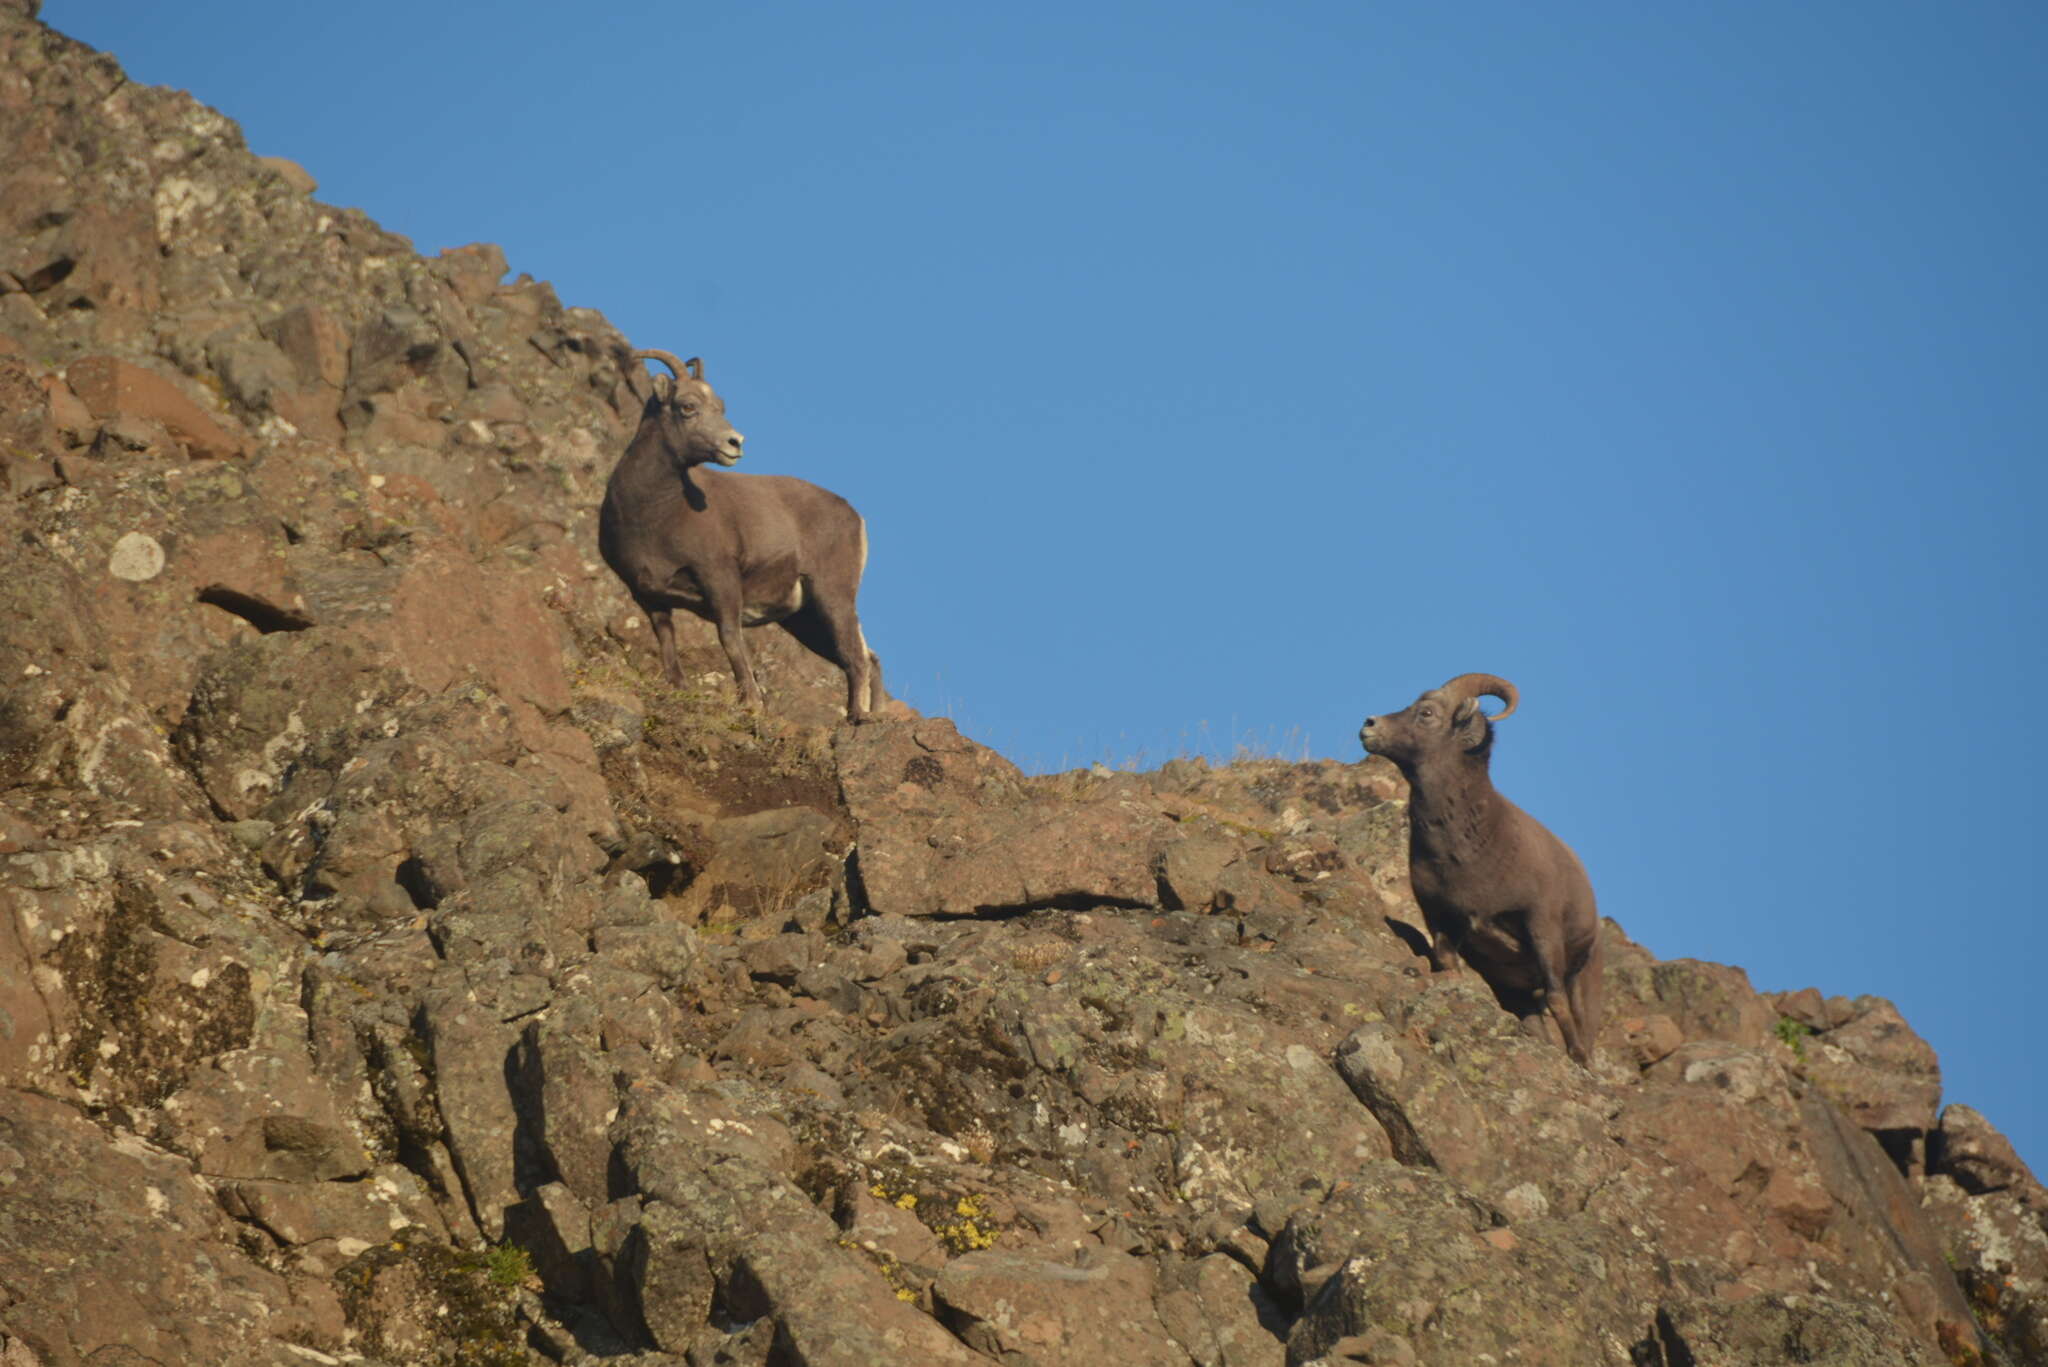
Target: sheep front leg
[
  {"x": 1443, "y": 944},
  {"x": 663, "y": 622},
  {"x": 729, "y": 636},
  {"x": 1443, "y": 954}
]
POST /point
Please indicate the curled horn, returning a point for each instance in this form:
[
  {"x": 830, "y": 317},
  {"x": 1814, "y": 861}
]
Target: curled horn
[
  {"x": 675, "y": 367},
  {"x": 1484, "y": 686}
]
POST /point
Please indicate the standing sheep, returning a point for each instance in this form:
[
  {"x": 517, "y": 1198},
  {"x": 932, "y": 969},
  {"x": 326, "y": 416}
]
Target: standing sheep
[
  {"x": 737, "y": 550},
  {"x": 1495, "y": 886}
]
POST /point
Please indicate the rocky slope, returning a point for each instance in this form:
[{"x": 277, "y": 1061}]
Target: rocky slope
[{"x": 393, "y": 970}]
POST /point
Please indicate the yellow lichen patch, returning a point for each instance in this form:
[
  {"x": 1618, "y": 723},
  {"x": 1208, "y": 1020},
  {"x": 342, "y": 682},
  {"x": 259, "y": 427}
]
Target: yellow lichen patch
[{"x": 964, "y": 1236}]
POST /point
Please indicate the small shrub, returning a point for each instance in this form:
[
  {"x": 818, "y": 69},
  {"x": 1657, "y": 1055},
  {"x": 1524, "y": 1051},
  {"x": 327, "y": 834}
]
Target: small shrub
[
  {"x": 1792, "y": 1034},
  {"x": 509, "y": 1266}
]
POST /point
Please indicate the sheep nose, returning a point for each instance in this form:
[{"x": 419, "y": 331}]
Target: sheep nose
[{"x": 735, "y": 441}]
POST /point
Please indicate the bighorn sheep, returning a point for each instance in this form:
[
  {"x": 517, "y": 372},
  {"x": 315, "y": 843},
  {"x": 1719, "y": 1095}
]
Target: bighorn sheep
[
  {"x": 737, "y": 550},
  {"x": 1495, "y": 886}
]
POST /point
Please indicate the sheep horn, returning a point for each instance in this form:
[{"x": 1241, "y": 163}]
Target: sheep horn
[
  {"x": 668, "y": 358},
  {"x": 1484, "y": 686}
]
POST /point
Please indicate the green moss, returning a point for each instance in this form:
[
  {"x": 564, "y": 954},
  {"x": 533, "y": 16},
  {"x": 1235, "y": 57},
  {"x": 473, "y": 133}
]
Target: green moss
[{"x": 396, "y": 1292}]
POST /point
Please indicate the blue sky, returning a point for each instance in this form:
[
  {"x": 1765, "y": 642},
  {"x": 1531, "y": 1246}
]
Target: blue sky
[{"x": 1210, "y": 374}]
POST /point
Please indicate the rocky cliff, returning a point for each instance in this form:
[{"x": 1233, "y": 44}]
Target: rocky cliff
[{"x": 394, "y": 970}]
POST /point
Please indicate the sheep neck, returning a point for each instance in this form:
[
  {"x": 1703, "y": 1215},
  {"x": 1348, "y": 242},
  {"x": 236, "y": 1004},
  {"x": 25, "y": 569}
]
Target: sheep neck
[
  {"x": 647, "y": 480},
  {"x": 1453, "y": 810}
]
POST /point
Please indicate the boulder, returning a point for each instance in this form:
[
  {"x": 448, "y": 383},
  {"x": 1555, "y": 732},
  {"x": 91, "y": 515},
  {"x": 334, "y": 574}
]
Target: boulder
[{"x": 112, "y": 388}]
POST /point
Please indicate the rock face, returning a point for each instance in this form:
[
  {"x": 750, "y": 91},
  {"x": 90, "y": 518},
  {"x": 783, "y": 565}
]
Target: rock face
[{"x": 394, "y": 970}]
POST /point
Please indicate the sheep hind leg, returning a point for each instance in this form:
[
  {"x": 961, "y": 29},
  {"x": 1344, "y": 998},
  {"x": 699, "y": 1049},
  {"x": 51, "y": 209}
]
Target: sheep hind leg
[
  {"x": 877, "y": 695},
  {"x": 1547, "y": 945},
  {"x": 1588, "y": 985},
  {"x": 835, "y": 638}
]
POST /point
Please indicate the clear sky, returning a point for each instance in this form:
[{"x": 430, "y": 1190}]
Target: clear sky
[{"x": 1215, "y": 374}]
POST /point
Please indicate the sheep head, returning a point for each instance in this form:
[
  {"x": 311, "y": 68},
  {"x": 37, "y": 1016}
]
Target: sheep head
[
  {"x": 1443, "y": 720},
  {"x": 688, "y": 414}
]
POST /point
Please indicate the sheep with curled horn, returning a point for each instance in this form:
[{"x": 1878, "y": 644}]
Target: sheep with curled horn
[
  {"x": 737, "y": 550},
  {"x": 1495, "y": 886}
]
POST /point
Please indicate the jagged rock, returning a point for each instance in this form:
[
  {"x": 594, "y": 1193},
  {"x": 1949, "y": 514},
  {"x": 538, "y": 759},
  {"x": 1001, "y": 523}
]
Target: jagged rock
[
  {"x": 1219, "y": 1314},
  {"x": 292, "y": 174},
  {"x": 351, "y": 1216},
  {"x": 1970, "y": 1150},
  {"x": 925, "y": 851},
  {"x": 471, "y": 1047},
  {"x": 411, "y": 1300},
  {"x": 1820, "y": 1329},
  {"x": 1878, "y": 1070},
  {"x": 286, "y": 1147},
  {"x": 1403, "y": 1253},
  {"x": 111, "y": 1251},
  {"x": 1458, "y": 1086},
  {"x": 553, "y": 1226},
  {"x": 565, "y": 1082},
  {"x": 1649, "y": 1039},
  {"x": 1706, "y": 1001},
  {"x": 112, "y": 388},
  {"x": 766, "y": 1250},
  {"x": 1997, "y": 1241},
  {"x": 32, "y": 422},
  {"x": 891, "y": 1232},
  {"x": 761, "y": 866},
  {"x": 1018, "y": 1308}
]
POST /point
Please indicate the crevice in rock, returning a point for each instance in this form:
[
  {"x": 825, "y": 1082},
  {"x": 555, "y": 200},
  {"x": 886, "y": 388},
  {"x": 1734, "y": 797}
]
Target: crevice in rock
[
  {"x": 1902, "y": 1147},
  {"x": 411, "y": 875},
  {"x": 857, "y": 904},
  {"x": 1409, "y": 1149},
  {"x": 663, "y": 877},
  {"x": 407, "y": 1143},
  {"x": 35, "y": 282},
  {"x": 265, "y": 617},
  {"x": 1066, "y": 901}
]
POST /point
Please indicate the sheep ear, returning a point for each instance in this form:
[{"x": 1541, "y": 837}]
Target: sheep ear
[{"x": 1471, "y": 724}]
